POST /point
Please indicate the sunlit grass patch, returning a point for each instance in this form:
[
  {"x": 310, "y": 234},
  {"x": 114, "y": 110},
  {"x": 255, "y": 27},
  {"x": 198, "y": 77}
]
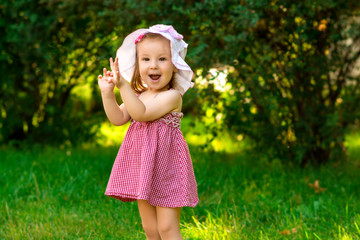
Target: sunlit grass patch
[
  {"x": 111, "y": 135},
  {"x": 223, "y": 227},
  {"x": 343, "y": 232}
]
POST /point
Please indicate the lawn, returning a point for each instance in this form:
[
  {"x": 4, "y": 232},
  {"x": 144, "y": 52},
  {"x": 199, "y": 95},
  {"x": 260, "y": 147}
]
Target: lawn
[{"x": 54, "y": 193}]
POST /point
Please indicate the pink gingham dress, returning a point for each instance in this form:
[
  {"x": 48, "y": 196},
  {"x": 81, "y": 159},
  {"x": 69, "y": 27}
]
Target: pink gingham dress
[{"x": 154, "y": 164}]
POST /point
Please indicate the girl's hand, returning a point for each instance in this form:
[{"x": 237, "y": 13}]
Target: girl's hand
[
  {"x": 116, "y": 72},
  {"x": 105, "y": 82}
]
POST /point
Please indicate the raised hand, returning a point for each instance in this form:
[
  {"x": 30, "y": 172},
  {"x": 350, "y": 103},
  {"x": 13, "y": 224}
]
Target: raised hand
[
  {"x": 105, "y": 82},
  {"x": 116, "y": 78}
]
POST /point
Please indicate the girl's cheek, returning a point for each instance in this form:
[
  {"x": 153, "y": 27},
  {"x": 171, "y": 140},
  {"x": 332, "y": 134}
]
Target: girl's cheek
[{"x": 143, "y": 64}]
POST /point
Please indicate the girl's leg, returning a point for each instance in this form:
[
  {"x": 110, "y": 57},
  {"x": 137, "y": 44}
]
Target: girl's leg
[
  {"x": 149, "y": 220},
  {"x": 168, "y": 220}
]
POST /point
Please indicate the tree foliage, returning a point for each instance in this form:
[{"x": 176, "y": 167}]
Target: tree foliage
[
  {"x": 294, "y": 73},
  {"x": 293, "y": 78},
  {"x": 49, "y": 48}
]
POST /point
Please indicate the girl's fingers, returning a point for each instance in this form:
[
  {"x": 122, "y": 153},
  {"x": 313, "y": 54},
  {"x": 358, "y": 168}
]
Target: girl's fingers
[
  {"x": 108, "y": 73},
  {"x": 112, "y": 65}
]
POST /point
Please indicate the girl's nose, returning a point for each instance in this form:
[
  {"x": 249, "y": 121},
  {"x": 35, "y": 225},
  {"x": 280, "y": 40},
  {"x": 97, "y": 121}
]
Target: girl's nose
[{"x": 153, "y": 64}]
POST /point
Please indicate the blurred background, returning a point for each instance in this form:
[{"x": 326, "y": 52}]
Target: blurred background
[
  {"x": 277, "y": 87},
  {"x": 283, "y": 75}
]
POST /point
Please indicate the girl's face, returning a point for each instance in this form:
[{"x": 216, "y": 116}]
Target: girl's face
[{"x": 155, "y": 65}]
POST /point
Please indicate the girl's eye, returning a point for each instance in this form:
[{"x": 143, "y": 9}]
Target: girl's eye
[
  {"x": 145, "y": 59},
  {"x": 162, "y": 59}
]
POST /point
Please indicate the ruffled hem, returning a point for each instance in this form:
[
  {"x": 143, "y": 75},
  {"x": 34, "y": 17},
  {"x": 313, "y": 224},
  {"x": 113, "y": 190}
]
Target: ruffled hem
[{"x": 153, "y": 202}]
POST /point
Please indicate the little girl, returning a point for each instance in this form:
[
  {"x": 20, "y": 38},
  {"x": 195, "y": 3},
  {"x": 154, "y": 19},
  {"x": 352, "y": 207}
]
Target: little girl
[{"x": 153, "y": 165}]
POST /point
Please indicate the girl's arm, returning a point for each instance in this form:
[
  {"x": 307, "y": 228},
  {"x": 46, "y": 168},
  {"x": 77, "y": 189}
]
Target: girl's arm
[
  {"x": 116, "y": 115},
  {"x": 153, "y": 109}
]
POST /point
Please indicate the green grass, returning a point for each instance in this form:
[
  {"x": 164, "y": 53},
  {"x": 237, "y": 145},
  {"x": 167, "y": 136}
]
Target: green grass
[{"x": 49, "y": 193}]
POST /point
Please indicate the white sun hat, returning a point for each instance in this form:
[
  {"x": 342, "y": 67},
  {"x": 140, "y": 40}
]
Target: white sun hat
[{"x": 126, "y": 55}]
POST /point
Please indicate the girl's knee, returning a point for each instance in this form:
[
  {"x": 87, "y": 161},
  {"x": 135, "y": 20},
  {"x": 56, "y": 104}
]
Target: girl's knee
[
  {"x": 164, "y": 228},
  {"x": 151, "y": 231},
  {"x": 167, "y": 228},
  {"x": 168, "y": 223}
]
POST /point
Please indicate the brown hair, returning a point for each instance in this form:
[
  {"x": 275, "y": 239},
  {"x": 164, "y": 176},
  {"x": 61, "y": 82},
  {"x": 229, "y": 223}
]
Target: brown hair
[{"x": 136, "y": 83}]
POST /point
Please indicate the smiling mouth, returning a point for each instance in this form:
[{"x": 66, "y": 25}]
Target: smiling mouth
[{"x": 154, "y": 76}]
